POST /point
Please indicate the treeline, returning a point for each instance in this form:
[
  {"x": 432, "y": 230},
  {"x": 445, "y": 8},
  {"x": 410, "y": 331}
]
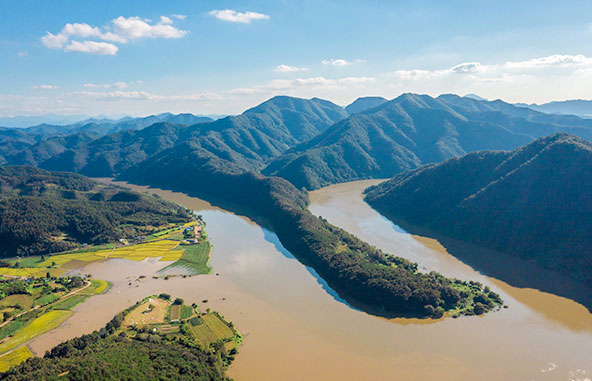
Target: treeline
[
  {"x": 106, "y": 355},
  {"x": 357, "y": 271},
  {"x": 46, "y": 212}
]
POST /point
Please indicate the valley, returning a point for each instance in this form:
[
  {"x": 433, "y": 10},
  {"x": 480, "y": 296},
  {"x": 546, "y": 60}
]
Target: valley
[{"x": 259, "y": 279}]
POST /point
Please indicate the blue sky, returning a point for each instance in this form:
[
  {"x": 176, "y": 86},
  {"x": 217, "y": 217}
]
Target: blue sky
[{"x": 144, "y": 57}]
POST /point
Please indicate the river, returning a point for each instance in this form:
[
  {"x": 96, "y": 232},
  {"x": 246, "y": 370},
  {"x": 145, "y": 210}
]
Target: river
[{"x": 296, "y": 328}]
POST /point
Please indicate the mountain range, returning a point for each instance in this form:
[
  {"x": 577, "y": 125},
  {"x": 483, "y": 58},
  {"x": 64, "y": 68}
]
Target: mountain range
[{"x": 413, "y": 130}]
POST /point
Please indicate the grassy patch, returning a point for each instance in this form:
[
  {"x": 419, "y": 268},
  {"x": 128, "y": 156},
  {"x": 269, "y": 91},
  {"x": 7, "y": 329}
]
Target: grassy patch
[
  {"x": 14, "y": 358},
  {"x": 23, "y": 301},
  {"x": 71, "y": 302},
  {"x": 212, "y": 329},
  {"x": 42, "y": 324}
]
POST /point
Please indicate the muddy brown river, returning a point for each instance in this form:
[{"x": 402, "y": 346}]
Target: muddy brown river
[{"x": 296, "y": 328}]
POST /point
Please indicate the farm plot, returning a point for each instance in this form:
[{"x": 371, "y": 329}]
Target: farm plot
[{"x": 212, "y": 329}]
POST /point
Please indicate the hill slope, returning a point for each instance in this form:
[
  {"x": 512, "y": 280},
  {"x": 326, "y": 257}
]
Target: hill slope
[
  {"x": 534, "y": 202},
  {"x": 43, "y": 212}
]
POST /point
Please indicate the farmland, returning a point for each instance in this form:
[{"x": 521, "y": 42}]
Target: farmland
[
  {"x": 29, "y": 308},
  {"x": 42, "y": 324},
  {"x": 211, "y": 328},
  {"x": 177, "y": 243},
  {"x": 13, "y": 358},
  {"x": 158, "y": 314},
  {"x": 121, "y": 350}
]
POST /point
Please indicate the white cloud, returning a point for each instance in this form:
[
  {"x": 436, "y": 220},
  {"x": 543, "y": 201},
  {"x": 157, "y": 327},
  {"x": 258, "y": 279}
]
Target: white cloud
[
  {"x": 507, "y": 72},
  {"x": 133, "y": 28},
  {"x": 93, "y": 47},
  {"x": 288, "y": 69},
  {"x": 557, "y": 60},
  {"x": 165, "y": 20},
  {"x": 117, "y": 85},
  {"x": 45, "y": 87},
  {"x": 231, "y": 15},
  {"x": 22, "y": 54},
  {"x": 353, "y": 81},
  {"x": 179, "y": 17},
  {"x": 121, "y": 30},
  {"x": 468, "y": 67},
  {"x": 336, "y": 62},
  {"x": 54, "y": 41},
  {"x": 315, "y": 83},
  {"x": 145, "y": 95}
]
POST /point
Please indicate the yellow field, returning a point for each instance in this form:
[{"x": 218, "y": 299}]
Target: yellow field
[
  {"x": 14, "y": 358},
  {"x": 96, "y": 287},
  {"x": 25, "y": 271},
  {"x": 152, "y": 249},
  {"x": 211, "y": 330},
  {"x": 42, "y": 324},
  {"x": 65, "y": 258}
]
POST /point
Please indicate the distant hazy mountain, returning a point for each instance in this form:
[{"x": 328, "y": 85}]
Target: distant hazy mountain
[
  {"x": 412, "y": 130},
  {"x": 364, "y": 103},
  {"x": 579, "y": 107},
  {"x": 534, "y": 202},
  {"x": 33, "y": 145},
  {"x": 247, "y": 141},
  {"x": 20, "y": 121}
]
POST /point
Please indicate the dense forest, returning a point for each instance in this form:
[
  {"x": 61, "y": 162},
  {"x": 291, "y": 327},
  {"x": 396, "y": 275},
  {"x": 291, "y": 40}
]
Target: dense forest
[
  {"x": 359, "y": 272},
  {"x": 108, "y": 355},
  {"x": 47, "y": 212},
  {"x": 534, "y": 202}
]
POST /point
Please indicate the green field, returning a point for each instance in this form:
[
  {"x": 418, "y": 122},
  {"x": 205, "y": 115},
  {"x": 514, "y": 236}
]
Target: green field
[
  {"x": 195, "y": 258},
  {"x": 180, "y": 312},
  {"x": 212, "y": 329},
  {"x": 42, "y": 324},
  {"x": 13, "y": 358}
]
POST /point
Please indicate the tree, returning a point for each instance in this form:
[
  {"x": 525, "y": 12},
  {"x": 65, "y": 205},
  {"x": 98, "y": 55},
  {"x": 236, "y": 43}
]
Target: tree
[{"x": 178, "y": 301}]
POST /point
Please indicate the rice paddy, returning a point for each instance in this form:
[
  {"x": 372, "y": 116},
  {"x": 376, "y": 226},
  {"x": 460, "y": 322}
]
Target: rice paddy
[{"x": 14, "y": 358}]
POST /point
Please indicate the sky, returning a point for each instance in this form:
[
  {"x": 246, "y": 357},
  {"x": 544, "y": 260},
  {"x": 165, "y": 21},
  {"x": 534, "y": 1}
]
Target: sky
[{"x": 115, "y": 58}]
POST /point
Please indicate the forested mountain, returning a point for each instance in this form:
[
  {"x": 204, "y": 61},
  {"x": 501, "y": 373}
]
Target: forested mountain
[
  {"x": 248, "y": 140},
  {"x": 534, "y": 202},
  {"x": 412, "y": 130},
  {"x": 33, "y": 145},
  {"x": 43, "y": 212},
  {"x": 364, "y": 103}
]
